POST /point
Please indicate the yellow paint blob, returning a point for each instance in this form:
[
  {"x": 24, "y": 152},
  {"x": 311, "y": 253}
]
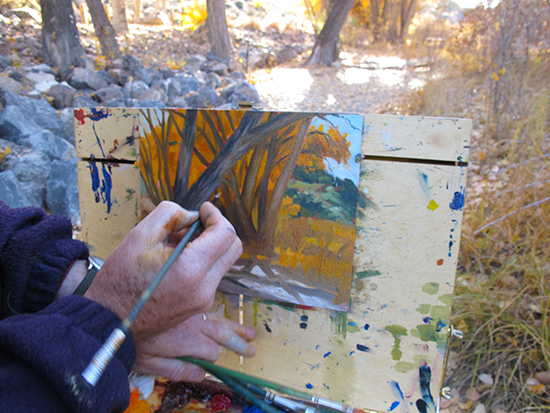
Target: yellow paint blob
[{"x": 432, "y": 206}]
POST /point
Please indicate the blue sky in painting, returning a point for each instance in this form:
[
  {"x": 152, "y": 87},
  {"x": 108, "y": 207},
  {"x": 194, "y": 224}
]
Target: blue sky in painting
[{"x": 353, "y": 126}]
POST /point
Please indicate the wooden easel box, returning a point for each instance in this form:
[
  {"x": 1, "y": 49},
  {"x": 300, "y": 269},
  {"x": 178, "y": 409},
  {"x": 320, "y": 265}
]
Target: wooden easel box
[{"x": 388, "y": 353}]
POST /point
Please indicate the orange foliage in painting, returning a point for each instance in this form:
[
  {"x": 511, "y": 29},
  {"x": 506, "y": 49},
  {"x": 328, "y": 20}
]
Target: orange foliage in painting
[
  {"x": 137, "y": 405},
  {"x": 313, "y": 246}
]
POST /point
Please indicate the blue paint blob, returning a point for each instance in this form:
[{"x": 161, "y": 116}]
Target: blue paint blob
[
  {"x": 393, "y": 406},
  {"x": 98, "y": 114},
  {"x": 317, "y": 347},
  {"x": 458, "y": 201},
  {"x": 351, "y": 352},
  {"x": 107, "y": 186},
  {"x": 309, "y": 386},
  {"x": 366, "y": 327},
  {"x": 326, "y": 386},
  {"x": 396, "y": 390},
  {"x": 425, "y": 376},
  {"x": 304, "y": 318},
  {"x": 266, "y": 326},
  {"x": 427, "y": 320},
  {"x": 250, "y": 408},
  {"x": 361, "y": 347},
  {"x": 327, "y": 354},
  {"x": 421, "y": 406},
  {"x": 440, "y": 324},
  {"x": 352, "y": 324},
  {"x": 303, "y": 326}
]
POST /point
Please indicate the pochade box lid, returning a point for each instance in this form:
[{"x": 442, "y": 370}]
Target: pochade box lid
[{"x": 381, "y": 345}]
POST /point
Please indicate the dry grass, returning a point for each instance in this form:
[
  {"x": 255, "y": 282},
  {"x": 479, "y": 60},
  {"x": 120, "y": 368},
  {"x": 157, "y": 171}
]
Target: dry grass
[{"x": 502, "y": 293}]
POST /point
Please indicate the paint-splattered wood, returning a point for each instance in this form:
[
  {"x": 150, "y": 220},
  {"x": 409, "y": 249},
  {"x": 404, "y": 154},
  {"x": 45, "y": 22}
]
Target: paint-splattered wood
[
  {"x": 396, "y": 329},
  {"x": 417, "y": 137},
  {"x": 388, "y": 352},
  {"x": 107, "y": 217},
  {"x": 107, "y": 133}
]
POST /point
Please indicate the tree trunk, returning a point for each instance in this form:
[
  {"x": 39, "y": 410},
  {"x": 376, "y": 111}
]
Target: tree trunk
[
  {"x": 60, "y": 45},
  {"x": 103, "y": 29},
  {"x": 120, "y": 23},
  {"x": 325, "y": 50},
  {"x": 137, "y": 11},
  {"x": 218, "y": 35},
  {"x": 392, "y": 20},
  {"x": 408, "y": 9}
]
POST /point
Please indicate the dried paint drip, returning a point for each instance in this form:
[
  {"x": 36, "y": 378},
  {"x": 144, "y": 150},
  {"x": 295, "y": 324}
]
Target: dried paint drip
[
  {"x": 427, "y": 401},
  {"x": 266, "y": 326},
  {"x": 363, "y": 348},
  {"x": 303, "y": 326},
  {"x": 458, "y": 201}
]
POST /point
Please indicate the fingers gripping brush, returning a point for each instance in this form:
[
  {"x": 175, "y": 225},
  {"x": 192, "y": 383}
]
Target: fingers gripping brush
[{"x": 105, "y": 354}]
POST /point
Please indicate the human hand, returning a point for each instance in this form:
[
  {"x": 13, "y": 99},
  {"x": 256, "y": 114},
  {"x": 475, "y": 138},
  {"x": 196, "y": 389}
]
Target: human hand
[
  {"x": 194, "y": 337},
  {"x": 188, "y": 287}
]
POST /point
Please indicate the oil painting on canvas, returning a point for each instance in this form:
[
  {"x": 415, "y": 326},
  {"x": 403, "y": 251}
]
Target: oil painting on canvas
[{"x": 286, "y": 181}]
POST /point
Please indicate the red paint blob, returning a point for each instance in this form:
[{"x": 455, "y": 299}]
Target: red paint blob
[
  {"x": 440, "y": 261},
  {"x": 79, "y": 114},
  {"x": 220, "y": 402}
]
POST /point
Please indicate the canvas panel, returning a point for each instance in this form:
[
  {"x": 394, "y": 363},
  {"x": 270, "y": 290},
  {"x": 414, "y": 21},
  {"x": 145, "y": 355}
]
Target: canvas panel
[{"x": 286, "y": 181}]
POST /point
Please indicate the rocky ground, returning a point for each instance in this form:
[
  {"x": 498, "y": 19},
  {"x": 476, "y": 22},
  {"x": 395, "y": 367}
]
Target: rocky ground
[{"x": 164, "y": 66}]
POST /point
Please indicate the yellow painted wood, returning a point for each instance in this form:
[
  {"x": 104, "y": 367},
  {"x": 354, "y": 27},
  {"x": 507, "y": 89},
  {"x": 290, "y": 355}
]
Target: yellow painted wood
[
  {"x": 403, "y": 274},
  {"x": 417, "y": 137},
  {"x": 102, "y": 231},
  {"x": 112, "y": 136}
]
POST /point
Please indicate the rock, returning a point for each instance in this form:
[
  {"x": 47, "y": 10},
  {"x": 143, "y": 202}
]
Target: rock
[
  {"x": 214, "y": 80},
  {"x": 10, "y": 85},
  {"x": 225, "y": 93},
  {"x": 31, "y": 168},
  {"x": 220, "y": 69},
  {"x": 37, "y": 110},
  {"x": 167, "y": 73},
  {"x": 82, "y": 101},
  {"x": 106, "y": 76},
  {"x": 174, "y": 88},
  {"x": 36, "y": 77},
  {"x": 82, "y": 78},
  {"x": 67, "y": 117},
  {"x": 210, "y": 95},
  {"x": 285, "y": 54},
  {"x": 132, "y": 67},
  {"x": 42, "y": 67},
  {"x": 43, "y": 87},
  {"x": 154, "y": 95},
  {"x": 63, "y": 95},
  {"x": 5, "y": 62},
  {"x": 52, "y": 145},
  {"x": 237, "y": 75},
  {"x": 237, "y": 98},
  {"x": 195, "y": 100},
  {"x": 249, "y": 90},
  {"x": 11, "y": 193},
  {"x": 188, "y": 83},
  {"x": 15, "y": 75},
  {"x": 113, "y": 92},
  {"x": 62, "y": 190},
  {"x": 179, "y": 103},
  {"x": 135, "y": 89},
  {"x": 15, "y": 124},
  {"x": 149, "y": 104}
]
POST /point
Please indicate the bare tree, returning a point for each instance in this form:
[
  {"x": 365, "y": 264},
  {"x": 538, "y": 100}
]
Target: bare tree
[
  {"x": 218, "y": 35},
  {"x": 394, "y": 15},
  {"x": 120, "y": 22},
  {"x": 103, "y": 29},
  {"x": 60, "y": 45},
  {"x": 325, "y": 51}
]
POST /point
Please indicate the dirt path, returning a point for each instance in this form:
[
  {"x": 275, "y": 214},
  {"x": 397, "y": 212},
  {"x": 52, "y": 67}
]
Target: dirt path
[{"x": 367, "y": 86}]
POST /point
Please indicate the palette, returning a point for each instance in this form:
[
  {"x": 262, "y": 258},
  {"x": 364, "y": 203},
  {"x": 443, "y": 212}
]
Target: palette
[{"x": 386, "y": 353}]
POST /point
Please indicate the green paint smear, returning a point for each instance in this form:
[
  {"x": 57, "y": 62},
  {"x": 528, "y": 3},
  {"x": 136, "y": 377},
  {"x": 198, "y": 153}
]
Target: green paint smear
[
  {"x": 431, "y": 288},
  {"x": 352, "y": 328},
  {"x": 129, "y": 193},
  {"x": 446, "y": 299},
  {"x": 132, "y": 152},
  {"x": 404, "y": 367},
  {"x": 339, "y": 322},
  {"x": 423, "y": 308},
  {"x": 425, "y": 332},
  {"x": 442, "y": 313},
  {"x": 367, "y": 274},
  {"x": 396, "y": 331}
]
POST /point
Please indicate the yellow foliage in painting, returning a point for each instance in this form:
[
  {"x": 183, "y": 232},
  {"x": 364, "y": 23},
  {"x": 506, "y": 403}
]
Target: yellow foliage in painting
[
  {"x": 495, "y": 77},
  {"x": 193, "y": 16}
]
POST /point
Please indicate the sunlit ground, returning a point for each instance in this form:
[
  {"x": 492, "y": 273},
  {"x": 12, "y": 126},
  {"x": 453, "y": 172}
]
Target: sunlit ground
[{"x": 359, "y": 85}]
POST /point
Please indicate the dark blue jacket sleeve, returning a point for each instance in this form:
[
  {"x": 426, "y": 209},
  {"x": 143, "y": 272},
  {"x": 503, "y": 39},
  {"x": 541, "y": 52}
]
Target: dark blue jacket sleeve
[
  {"x": 42, "y": 356},
  {"x": 36, "y": 249}
]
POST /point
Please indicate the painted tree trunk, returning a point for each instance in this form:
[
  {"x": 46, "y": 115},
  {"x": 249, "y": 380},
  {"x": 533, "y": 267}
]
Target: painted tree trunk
[
  {"x": 60, "y": 45},
  {"x": 103, "y": 29},
  {"x": 218, "y": 35},
  {"x": 325, "y": 51},
  {"x": 120, "y": 22}
]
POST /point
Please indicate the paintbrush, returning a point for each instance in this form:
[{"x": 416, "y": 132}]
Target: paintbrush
[
  {"x": 105, "y": 354},
  {"x": 340, "y": 407}
]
